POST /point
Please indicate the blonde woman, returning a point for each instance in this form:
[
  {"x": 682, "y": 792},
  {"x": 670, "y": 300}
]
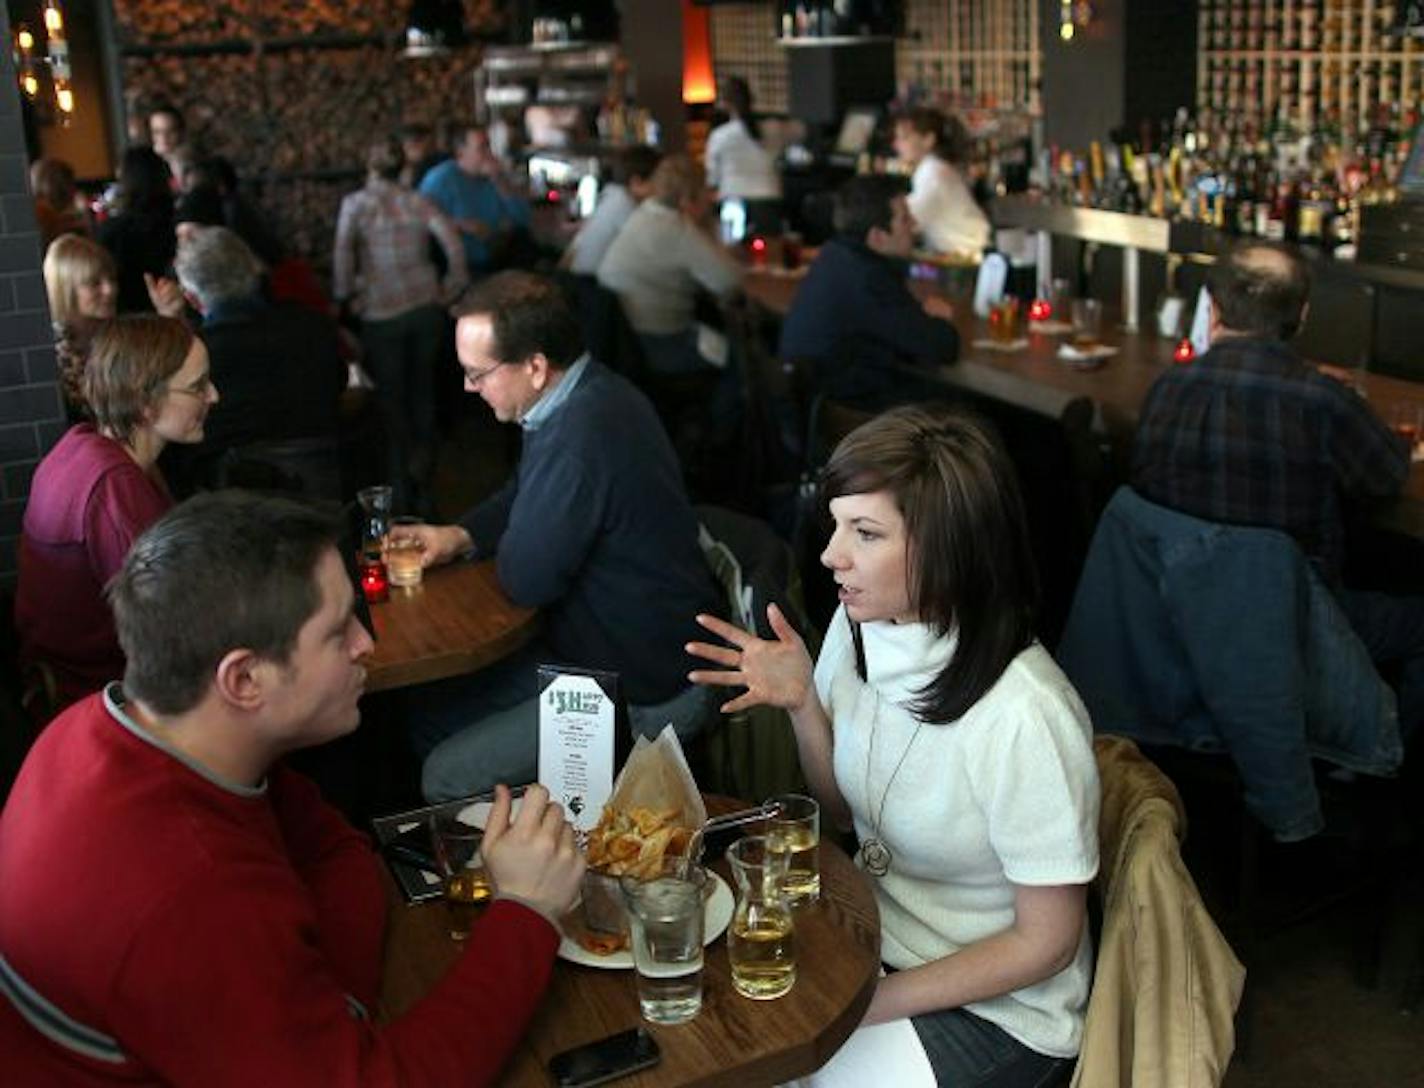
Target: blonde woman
[
  {"x": 147, "y": 384},
  {"x": 82, "y": 284}
]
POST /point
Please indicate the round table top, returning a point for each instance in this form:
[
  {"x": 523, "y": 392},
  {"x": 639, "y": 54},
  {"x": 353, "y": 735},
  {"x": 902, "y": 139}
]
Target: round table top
[
  {"x": 456, "y": 621},
  {"x": 734, "y": 1041}
]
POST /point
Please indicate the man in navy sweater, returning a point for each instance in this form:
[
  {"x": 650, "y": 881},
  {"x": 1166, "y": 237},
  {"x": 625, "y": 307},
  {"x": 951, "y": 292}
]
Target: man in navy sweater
[
  {"x": 594, "y": 529},
  {"x": 854, "y": 319}
]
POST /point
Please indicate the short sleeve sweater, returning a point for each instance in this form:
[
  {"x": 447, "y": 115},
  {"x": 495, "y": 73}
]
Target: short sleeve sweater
[{"x": 1006, "y": 795}]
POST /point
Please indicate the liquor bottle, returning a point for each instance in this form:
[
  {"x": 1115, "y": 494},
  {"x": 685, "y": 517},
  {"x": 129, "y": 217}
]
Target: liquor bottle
[
  {"x": 1314, "y": 211},
  {"x": 1244, "y": 220}
]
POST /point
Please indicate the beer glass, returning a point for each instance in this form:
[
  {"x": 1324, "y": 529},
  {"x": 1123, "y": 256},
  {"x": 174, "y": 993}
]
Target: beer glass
[
  {"x": 404, "y": 554},
  {"x": 796, "y": 832},
  {"x": 467, "y": 885},
  {"x": 1004, "y": 320},
  {"x": 761, "y": 944},
  {"x": 666, "y": 921},
  {"x": 1087, "y": 321}
]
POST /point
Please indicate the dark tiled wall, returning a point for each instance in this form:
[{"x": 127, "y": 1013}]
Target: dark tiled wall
[{"x": 31, "y": 416}]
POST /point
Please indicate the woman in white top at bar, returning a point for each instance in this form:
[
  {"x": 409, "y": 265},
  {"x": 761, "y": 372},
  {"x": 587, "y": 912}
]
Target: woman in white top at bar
[
  {"x": 933, "y": 146},
  {"x": 739, "y": 166}
]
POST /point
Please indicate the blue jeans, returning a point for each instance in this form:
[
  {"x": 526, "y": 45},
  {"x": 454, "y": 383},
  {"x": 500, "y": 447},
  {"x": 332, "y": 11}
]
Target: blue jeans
[
  {"x": 476, "y": 731},
  {"x": 1392, "y": 628},
  {"x": 966, "y": 1051}
]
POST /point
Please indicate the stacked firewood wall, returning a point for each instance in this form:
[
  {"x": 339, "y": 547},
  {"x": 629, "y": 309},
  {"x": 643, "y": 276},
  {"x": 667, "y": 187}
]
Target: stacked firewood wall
[{"x": 293, "y": 91}]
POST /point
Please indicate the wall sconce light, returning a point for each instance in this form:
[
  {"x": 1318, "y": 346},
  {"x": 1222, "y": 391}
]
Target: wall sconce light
[
  {"x": 57, "y": 50},
  {"x": 1073, "y": 15},
  {"x": 56, "y": 56},
  {"x": 25, "y": 61}
]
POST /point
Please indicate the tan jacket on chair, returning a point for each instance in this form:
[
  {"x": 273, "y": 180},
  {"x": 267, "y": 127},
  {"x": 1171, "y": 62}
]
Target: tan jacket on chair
[{"x": 1166, "y": 984}]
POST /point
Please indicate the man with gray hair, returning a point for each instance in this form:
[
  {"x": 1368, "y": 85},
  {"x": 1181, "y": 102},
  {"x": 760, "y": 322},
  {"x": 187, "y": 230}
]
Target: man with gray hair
[{"x": 280, "y": 361}]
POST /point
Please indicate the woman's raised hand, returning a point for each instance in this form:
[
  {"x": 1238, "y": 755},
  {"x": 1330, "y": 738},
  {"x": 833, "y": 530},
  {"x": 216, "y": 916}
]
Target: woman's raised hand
[{"x": 775, "y": 672}]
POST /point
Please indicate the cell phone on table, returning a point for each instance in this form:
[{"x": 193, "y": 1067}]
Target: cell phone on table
[{"x": 608, "y": 1059}]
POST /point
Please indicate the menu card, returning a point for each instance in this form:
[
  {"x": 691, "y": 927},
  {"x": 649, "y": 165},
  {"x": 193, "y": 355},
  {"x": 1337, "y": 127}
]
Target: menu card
[{"x": 577, "y": 733}]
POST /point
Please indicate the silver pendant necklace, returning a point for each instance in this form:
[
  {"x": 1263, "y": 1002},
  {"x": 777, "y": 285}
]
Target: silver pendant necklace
[{"x": 875, "y": 854}]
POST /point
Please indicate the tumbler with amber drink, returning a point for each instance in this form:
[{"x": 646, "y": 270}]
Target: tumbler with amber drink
[
  {"x": 1004, "y": 320},
  {"x": 468, "y": 889}
]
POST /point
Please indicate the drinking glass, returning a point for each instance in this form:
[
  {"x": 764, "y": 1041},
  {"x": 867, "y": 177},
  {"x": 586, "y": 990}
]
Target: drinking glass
[
  {"x": 376, "y": 516},
  {"x": 666, "y": 920},
  {"x": 404, "y": 554},
  {"x": 375, "y": 523},
  {"x": 761, "y": 943},
  {"x": 468, "y": 888},
  {"x": 796, "y": 832},
  {"x": 1405, "y": 419},
  {"x": 1004, "y": 320},
  {"x": 1087, "y": 321},
  {"x": 791, "y": 251},
  {"x": 1060, "y": 297}
]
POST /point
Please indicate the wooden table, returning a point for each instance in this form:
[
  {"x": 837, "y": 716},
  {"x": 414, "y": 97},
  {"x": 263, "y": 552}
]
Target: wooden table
[
  {"x": 456, "y": 621},
  {"x": 734, "y": 1041},
  {"x": 1034, "y": 378}
]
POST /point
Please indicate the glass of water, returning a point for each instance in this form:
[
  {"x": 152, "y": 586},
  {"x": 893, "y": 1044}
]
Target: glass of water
[{"x": 666, "y": 921}]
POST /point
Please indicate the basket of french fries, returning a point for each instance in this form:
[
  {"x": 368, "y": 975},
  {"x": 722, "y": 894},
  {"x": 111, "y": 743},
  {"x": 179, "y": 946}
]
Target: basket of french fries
[{"x": 652, "y": 814}]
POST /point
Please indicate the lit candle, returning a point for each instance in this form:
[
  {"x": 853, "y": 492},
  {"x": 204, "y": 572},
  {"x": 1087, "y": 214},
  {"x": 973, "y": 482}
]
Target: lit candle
[
  {"x": 373, "y": 580},
  {"x": 1040, "y": 309},
  {"x": 1184, "y": 352}
]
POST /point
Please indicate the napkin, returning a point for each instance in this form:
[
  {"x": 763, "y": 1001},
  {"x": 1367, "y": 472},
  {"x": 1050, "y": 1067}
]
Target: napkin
[
  {"x": 889, "y": 1053},
  {"x": 1092, "y": 356},
  {"x": 1002, "y": 345}
]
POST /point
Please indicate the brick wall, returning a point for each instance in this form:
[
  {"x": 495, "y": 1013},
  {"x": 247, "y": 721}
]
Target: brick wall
[{"x": 31, "y": 416}]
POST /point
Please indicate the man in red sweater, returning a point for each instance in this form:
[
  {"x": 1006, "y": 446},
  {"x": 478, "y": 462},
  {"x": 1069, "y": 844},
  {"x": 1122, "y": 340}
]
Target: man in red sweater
[{"x": 179, "y": 908}]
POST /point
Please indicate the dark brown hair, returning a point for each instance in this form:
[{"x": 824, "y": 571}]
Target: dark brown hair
[
  {"x": 529, "y": 314},
  {"x": 951, "y": 138},
  {"x": 52, "y": 180},
  {"x": 1260, "y": 288},
  {"x": 866, "y": 202},
  {"x": 131, "y": 360},
  {"x": 969, "y": 563},
  {"x": 385, "y": 157},
  {"x": 226, "y": 570},
  {"x": 638, "y": 161}
]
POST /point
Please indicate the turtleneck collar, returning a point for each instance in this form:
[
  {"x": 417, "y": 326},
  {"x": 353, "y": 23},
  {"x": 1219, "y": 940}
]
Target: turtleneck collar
[{"x": 901, "y": 659}]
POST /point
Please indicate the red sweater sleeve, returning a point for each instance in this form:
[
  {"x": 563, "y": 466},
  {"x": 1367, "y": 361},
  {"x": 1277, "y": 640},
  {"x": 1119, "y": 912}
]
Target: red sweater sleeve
[
  {"x": 226, "y": 987},
  {"x": 123, "y": 504},
  {"x": 342, "y": 873}
]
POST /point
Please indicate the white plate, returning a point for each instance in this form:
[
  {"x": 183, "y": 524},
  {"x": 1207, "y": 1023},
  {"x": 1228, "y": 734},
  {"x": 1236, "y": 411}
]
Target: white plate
[
  {"x": 477, "y": 815},
  {"x": 717, "y": 916}
]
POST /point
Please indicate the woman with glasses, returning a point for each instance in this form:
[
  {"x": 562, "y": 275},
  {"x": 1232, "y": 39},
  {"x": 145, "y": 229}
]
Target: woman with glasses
[{"x": 146, "y": 385}]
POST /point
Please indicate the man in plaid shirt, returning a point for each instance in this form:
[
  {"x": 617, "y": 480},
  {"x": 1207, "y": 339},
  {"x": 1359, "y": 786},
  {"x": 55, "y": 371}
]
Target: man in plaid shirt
[
  {"x": 1250, "y": 434},
  {"x": 382, "y": 269}
]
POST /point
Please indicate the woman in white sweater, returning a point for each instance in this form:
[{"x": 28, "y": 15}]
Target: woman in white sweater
[
  {"x": 933, "y": 146},
  {"x": 936, "y": 725}
]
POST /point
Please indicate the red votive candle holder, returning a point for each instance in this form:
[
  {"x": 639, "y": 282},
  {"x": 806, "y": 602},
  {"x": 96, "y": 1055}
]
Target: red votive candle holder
[
  {"x": 1040, "y": 309},
  {"x": 758, "y": 249},
  {"x": 374, "y": 583},
  {"x": 1184, "y": 352}
]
